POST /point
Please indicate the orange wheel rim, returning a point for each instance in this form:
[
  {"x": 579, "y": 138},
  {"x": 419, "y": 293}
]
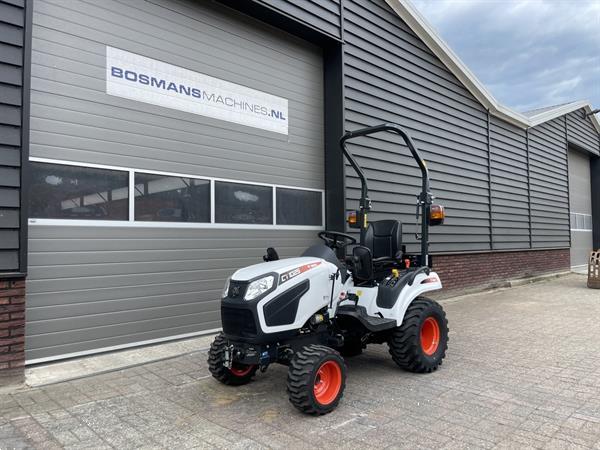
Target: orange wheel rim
[
  {"x": 328, "y": 382},
  {"x": 430, "y": 336},
  {"x": 241, "y": 370}
]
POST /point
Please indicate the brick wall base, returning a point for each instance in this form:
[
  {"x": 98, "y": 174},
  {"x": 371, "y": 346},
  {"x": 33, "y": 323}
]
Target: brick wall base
[
  {"x": 466, "y": 271},
  {"x": 12, "y": 330}
]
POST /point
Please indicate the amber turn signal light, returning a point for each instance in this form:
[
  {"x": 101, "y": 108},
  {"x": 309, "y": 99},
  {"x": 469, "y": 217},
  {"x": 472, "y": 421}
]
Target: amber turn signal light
[{"x": 437, "y": 214}]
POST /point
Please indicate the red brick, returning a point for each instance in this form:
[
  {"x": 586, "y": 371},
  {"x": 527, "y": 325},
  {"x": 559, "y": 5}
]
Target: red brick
[
  {"x": 470, "y": 270},
  {"x": 16, "y": 363},
  {"x": 17, "y": 315},
  {"x": 4, "y": 300},
  {"x": 4, "y": 317},
  {"x": 19, "y": 348},
  {"x": 4, "y": 349},
  {"x": 12, "y": 340},
  {"x": 7, "y": 357},
  {"x": 13, "y": 324},
  {"x": 17, "y": 284},
  {"x": 4, "y": 284},
  {"x": 17, "y": 300},
  {"x": 12, "y": 292},
  {"x": 19, "y": 331},
  {"x": 11, "y": 308},
  {"x": 4, "y": 365}
]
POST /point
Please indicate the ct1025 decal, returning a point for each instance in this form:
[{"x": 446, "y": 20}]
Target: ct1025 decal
[{"x": 297, "y": 271}]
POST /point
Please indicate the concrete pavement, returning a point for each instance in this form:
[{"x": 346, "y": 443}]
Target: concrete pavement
[{"x": 522, "y": 371}]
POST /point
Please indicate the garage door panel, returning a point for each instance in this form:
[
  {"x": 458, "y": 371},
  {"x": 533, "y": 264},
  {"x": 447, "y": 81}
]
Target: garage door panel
[
  {"x": 79, "y": 345},
  {"x": 45, "y": 334},
  {"x": 580, "y": 202},
  {"x": 92, "y": 287}
]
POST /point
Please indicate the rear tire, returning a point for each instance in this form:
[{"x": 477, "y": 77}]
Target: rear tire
[
  {"x": 420, "y": 343},
  {"x": 316, "y": 379},
  {"x": 238, "y": 374}
]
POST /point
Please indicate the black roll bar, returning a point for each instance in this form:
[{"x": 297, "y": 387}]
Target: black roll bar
[{"x": 424, "y": 197}]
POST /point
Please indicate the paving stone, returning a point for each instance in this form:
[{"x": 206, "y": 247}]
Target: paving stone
[{"x": 521, "y": 372}]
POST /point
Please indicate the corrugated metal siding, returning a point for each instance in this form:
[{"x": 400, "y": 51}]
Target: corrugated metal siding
[
  {"x": 510, "y": 186},
  {"x": 391, "y": 76},
  {"x": 549, "y": 181},
  {"x": 323, "y": 15},
  {"x": 12, "y": 23},
  {"x": 93, "y": 287},
  {"x": 581, "y": 132}
]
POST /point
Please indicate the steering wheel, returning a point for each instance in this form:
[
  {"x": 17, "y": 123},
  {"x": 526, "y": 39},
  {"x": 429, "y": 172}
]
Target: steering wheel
[{"x": 335, "y": 239}]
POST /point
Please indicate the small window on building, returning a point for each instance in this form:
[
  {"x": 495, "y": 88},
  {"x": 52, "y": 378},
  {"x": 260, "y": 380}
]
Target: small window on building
[
  {"x": 161, "y": 198},
  {"x": 73, "y": 192},
  {"x": 243, "y": 203},
  {"x": 299, "y": 207}
]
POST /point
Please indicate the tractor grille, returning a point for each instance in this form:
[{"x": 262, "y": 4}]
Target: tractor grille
[{"x": 238, "y": 322}]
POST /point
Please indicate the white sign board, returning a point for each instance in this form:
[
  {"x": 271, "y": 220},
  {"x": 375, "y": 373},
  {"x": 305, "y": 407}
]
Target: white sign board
[{"x": 147, "y": 80}]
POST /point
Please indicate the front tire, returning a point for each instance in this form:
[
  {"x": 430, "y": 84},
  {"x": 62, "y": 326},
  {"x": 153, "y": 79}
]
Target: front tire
[
  {"x": 316, "y": 379},
  {"x": 237, "y": 375},
  {"x": 420, "y": 343}
]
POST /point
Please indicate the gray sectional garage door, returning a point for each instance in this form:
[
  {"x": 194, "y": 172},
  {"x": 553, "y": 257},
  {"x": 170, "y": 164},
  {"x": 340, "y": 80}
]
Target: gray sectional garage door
[
  {"x": 580, "y": 199},
  {"x": 94, "y": 286}
]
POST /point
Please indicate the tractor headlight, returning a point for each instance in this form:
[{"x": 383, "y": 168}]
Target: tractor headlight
[
  {"x": 226, "y": 288},
  {"x": 259, "y": 287}
]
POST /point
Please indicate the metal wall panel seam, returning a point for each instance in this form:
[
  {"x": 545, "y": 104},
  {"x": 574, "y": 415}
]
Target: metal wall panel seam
[
  {"x": 528, "y": 189},
  {"x": 568, "y": 177},
  {"x": 490, "y": 195}
]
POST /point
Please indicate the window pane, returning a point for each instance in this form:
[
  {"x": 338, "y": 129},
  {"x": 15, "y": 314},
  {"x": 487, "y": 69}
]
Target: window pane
[
  {"x": 171, "y": 199},
  {"x": 243, "y": 203},
  {"x": 73, "y": 192},
  {"x": 299, "y": 207}
]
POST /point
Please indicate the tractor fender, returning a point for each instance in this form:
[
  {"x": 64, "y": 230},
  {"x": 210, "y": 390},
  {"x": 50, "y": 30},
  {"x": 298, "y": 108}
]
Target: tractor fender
[{"x": 422, "y": 283}]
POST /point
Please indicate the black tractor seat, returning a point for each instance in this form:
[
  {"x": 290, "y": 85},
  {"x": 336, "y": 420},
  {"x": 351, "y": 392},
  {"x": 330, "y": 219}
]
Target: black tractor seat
[{"x": 384, "y": 239}]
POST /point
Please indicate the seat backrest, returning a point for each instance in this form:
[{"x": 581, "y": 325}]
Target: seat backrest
[
  {"x": 384, "y": 238},
  {"x": 362, "y": 263}
]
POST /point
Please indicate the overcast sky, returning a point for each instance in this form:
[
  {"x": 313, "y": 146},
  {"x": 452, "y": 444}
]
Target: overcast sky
[{"x": 528, "y": 53}]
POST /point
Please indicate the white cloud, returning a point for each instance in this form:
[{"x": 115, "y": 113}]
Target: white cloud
[{"x": 529, "y": 53}]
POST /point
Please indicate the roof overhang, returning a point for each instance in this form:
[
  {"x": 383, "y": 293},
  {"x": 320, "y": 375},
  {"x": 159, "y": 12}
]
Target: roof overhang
[{"x": 417, "y": 23}]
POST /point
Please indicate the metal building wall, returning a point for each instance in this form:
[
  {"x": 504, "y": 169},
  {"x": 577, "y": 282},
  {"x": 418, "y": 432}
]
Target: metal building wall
[
  {"x": 324, "y": 15},
  {"x": 505, "y": 188},
  {"x": 14, "y": 82},
  {"x": 581, "y": 132},
  {"x": 97, "y": 287},
  {"x": 509, "y": 186},
  {"x": 391, "y": 76},
  {"x": 549, "y": 182}
]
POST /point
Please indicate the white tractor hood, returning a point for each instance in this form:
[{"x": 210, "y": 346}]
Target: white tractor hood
[{"x": 280, "y": 266}]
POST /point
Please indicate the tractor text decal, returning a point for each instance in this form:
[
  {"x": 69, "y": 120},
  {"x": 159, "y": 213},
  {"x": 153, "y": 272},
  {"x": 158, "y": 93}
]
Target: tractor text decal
[{"x": 297, "y": 271}]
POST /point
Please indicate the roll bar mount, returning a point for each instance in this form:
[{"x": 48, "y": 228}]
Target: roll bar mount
[{"x": 424, "y": 198}]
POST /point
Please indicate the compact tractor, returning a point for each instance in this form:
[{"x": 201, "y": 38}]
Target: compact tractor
[{"x": 308, "y": 312}]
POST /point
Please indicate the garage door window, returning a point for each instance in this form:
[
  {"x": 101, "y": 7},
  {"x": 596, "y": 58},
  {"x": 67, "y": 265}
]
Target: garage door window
[
  {"x": 171, "y": 199},
  {"x": 299, "y": 207},
  {"x": 581, "y": 222},
  {"x": 73, "y": 192},
  {"x": 243, "y": 203},
  {"x": 114, "y": 196}
]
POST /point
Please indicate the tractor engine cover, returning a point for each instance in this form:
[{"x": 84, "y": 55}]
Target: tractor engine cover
[{"x": 297, "y": 292}]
